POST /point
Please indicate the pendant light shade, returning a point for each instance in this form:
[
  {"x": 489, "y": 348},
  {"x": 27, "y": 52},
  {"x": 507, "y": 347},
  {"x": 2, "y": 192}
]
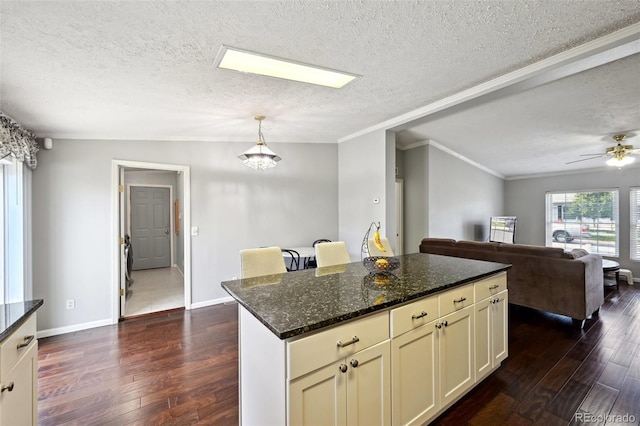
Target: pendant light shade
[{"x": 259, "y": 157}]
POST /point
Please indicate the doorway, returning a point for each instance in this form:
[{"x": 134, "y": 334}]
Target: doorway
[{"x": 151, "y": 211}]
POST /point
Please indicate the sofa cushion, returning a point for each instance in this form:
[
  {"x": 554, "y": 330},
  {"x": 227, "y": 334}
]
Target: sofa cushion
[
  {"x": 477, "y": 245},
  {"x": 448, "y": 242},
  {"x": 554, "y": 252}
]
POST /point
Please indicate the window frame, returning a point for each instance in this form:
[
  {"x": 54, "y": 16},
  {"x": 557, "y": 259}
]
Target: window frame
[{"x": 593, "y": 225}]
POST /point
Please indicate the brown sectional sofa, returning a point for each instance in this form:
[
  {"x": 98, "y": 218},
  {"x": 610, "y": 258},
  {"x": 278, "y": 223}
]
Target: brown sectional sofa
[{"x": 544, "y": 278}]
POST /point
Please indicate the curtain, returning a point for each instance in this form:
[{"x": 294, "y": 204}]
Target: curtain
[{"x": 16, "y": 140}]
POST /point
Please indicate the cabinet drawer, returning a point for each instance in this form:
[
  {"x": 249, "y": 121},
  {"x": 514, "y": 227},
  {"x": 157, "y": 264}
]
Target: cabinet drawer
[
  {"x": 413, "y": 315},
  {"x": 490, "y": 286},
  {"x": 312, "y": 352},
  {"x": 10, "y": 354},
  {"x": 455, "y": 299}
]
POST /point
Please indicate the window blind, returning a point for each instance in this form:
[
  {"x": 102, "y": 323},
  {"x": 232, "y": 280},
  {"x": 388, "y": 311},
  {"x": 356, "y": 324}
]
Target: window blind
[{"x": 634, "y": 222}]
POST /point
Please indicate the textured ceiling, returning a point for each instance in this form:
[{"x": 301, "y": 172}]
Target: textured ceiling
[{"x": 143, "y": 70}]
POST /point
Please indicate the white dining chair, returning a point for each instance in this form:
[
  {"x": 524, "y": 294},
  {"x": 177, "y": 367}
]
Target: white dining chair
[
  {"x": 375, "y": 251},
  {"x": 333, "y": 253},
  {"x": 261, "y": 261}
]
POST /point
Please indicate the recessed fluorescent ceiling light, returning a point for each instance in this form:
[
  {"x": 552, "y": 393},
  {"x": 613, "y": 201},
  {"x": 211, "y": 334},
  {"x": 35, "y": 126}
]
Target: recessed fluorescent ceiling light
[{"x": 257, "y": 63}]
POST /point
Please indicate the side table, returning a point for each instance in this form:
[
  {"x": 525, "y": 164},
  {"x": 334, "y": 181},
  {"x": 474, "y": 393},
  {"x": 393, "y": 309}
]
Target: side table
[{"x": 609, "y": 266}]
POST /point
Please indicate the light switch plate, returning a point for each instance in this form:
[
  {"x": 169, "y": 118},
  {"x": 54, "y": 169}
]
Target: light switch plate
[{"x": 195, "y": 231}]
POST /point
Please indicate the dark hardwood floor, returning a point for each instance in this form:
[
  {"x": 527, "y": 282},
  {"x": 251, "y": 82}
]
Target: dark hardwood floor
[{"x": 180, "y": 368}]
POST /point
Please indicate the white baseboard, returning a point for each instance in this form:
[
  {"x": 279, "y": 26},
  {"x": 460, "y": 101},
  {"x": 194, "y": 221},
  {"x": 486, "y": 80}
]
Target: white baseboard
[
  {"x": 72, "y": 328},
  {"x": 212, "y": 302}
]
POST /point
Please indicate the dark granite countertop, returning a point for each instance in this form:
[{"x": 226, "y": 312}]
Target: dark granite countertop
[
  {"x": 297, "y": 302},
  {"x": 13, "y": 315}
]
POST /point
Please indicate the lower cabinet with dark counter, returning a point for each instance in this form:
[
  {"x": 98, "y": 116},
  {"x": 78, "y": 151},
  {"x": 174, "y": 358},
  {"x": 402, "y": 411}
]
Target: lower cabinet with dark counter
[
  {"x": 402, "y": 365},
  {"x": 19, "y": 365}
]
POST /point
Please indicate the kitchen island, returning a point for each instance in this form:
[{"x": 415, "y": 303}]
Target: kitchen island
[{"x": 339, "y": 345}]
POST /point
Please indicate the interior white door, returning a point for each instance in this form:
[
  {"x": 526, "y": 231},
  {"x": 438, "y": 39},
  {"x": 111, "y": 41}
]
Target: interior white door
[{"x": 150, "y": 227}]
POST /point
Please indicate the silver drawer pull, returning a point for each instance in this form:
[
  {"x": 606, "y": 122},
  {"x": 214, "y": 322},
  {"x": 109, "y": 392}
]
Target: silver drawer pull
[
  {"x": 7, "y": 388},
  {"x": 462, "y": 299},
  {"x": 493, "y": 287},
  {"x": 350, "y": 342},
  {"x": 442, "y": 324},
  {"x": 27, "y": 341},
  {"x": 420, "y": 315}
]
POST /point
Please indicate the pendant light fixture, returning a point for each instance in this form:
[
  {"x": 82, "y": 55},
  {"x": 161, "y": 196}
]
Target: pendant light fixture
[{"x": 259, "y": 157}]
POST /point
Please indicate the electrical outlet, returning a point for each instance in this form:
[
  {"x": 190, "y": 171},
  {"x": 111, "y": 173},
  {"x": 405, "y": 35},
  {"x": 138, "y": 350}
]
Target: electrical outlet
[{"x": 71, "y": 304}]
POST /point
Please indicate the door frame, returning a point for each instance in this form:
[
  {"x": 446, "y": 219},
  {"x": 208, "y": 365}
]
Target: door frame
[
  {"x": 117, "y": 248},
  {"x": 127, "y": 202},
  {"x": 399, "y": 216}
]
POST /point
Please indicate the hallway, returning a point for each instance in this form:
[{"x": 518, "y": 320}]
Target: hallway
[{"x": 155, "y": 290}]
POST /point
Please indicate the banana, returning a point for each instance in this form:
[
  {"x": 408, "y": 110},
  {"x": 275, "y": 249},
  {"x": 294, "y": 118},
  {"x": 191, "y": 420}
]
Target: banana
[{"x": 376, "y": 240}]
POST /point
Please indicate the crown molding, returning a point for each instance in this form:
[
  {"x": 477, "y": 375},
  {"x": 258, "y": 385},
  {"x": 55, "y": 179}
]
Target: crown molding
[{"x": 619, "y": 44}]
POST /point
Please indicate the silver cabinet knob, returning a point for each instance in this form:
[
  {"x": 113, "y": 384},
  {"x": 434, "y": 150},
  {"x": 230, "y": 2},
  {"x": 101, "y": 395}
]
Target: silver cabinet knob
[
  {"x": 342, "y": 368},
  {"x": 354, "y": 363}
]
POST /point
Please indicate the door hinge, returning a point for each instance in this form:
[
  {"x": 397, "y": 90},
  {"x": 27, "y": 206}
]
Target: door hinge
[
  {"x": 121, "y": 188},
  {"x": 122, "y": 292},
  {"x": 121, "y": 240}
]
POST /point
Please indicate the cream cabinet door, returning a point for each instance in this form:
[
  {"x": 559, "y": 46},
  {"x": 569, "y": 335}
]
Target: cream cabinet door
[
  {"x": 19, "y": 395},
  {"x": 483, "y": 335},
  {"x": 369, "y": 386},
  {"x": 320, "y": 397},
  {"x": 499, "y": 324},
  {"x": 456, "y": 335},
  {"x": 353, "y": 391},
  {"x": 491, "y": 333},
  {"x": 415, "y": 385}
]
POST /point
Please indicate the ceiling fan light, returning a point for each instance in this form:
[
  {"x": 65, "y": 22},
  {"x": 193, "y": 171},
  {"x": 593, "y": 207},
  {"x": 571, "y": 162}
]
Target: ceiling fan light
[{"x": 615, "y": 162}]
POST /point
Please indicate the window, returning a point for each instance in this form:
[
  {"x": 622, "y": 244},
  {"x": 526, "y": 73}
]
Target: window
[
  {"x": 634, "y": 222},
  {"x": 583, "y": 219},
  {"x": 15, "y": 221}
]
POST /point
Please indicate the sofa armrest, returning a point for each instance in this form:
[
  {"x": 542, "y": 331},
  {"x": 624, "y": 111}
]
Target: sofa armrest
[{"x": 593, "y": 281}]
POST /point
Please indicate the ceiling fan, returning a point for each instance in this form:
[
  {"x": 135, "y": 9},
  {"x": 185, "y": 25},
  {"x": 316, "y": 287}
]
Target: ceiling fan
[{"x": 621, "y": 155}]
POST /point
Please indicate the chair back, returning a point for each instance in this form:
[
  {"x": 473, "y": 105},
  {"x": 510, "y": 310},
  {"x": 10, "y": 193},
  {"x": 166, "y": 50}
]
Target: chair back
[
  {"x": 375, "y": 251},
  {"x": 333, "y": 253},
  {"x": 311, "y": 262},
  {"x": 295, "y": 259},
  {"x": 261, "y": 261}
]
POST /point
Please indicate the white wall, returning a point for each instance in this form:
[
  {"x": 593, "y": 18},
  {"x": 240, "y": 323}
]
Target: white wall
[
  {"x": 462, "y": 197},
  {"x": 446, "y": 197},
  {"x": 415, "y": 173},
  {"x": 364, "y": 165},
  {"x": 234, "y": 207},
  {"x": 525, "y": 198}
]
